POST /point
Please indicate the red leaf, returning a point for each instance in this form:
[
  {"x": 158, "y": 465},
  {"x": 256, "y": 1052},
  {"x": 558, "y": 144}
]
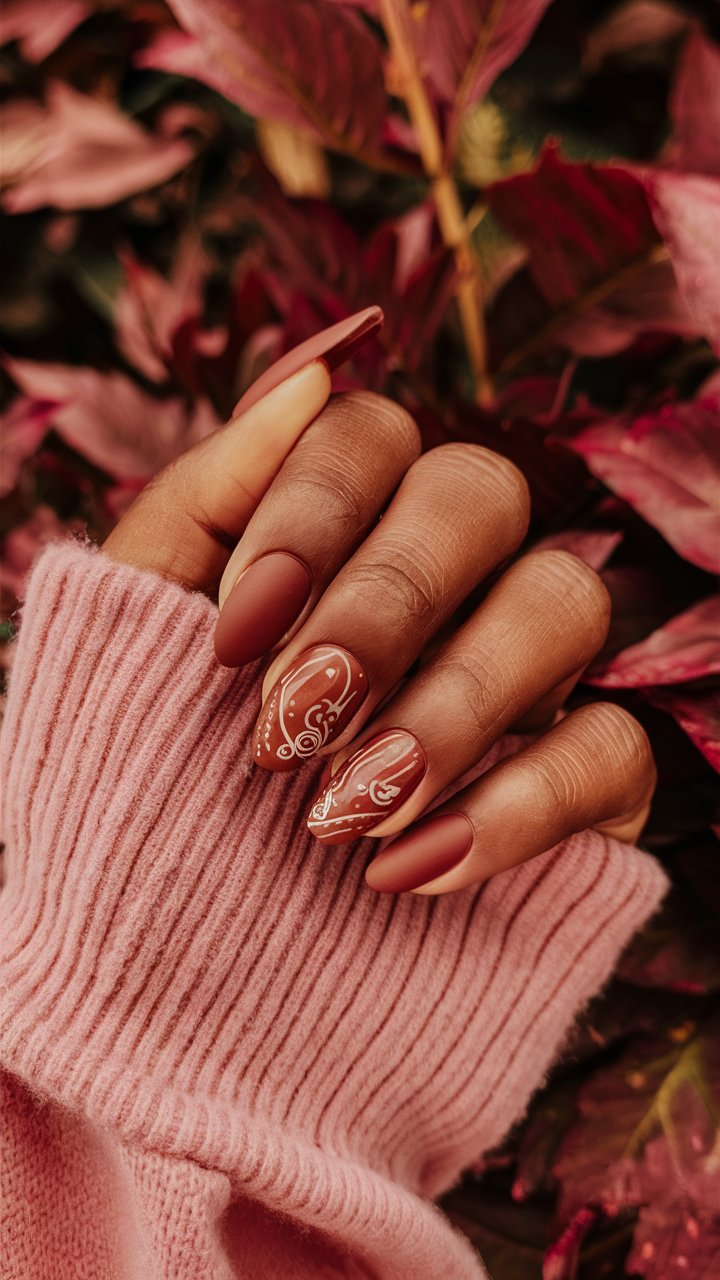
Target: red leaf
[
  {"x": 686, "y": 209},
  {"x": 698, "y": 714},
  {"x": 667, "y": 466},
  {"x": 310, "y": 63},
  {"x": 41, "y": 25},
  {"x": 595, "y": 274},
  {"x": 80, "y": 152},
  {"x": 632, "y": 26},
  {"x": 108, "y": 419},
  {"x": 687, "y": 648},
  {"x": 467, "y": 43},
  {"x": 695, "y": 108}
]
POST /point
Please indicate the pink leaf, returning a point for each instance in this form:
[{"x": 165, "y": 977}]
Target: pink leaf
[
  {"x": 698, "y": 714},
  {"x": 467, "y": 43},
  {"x": 687, "y": 648},
  {"x": 23, "y": 427},
  {"x": 41, "y": 25},
  {"x": 310, "y": 63},
  {"x": 80, "y": 152},
  {"x": 695, "y": 108},
  {"x": 686, "y": 209},
  {"x": 110, "y": 420},
  {"x": 667, "y": 466}
]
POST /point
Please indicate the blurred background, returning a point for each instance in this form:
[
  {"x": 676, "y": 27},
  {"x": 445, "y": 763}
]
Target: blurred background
[{"x": 531, "y": 190}]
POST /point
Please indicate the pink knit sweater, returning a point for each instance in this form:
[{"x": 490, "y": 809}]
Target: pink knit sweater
[{"x": 223, "y": 1055}]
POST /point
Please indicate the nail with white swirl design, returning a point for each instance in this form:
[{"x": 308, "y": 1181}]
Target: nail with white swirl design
[
  {"x": 310, "y": 705},
  {"x": 371, "y": 785}
]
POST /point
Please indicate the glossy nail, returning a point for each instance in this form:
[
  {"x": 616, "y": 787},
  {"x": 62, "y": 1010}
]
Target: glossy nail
[
  {"x": 333, "y": 345},
  {"x": 426, "y": 851},
  {"x": 262, "y": 606},
  {"x": 371, "y": 785},
  {"x": 310, "y": 705}
]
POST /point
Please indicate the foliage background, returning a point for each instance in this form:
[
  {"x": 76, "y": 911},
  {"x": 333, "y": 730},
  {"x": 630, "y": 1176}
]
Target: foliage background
[{"x": 531, "y": 191}]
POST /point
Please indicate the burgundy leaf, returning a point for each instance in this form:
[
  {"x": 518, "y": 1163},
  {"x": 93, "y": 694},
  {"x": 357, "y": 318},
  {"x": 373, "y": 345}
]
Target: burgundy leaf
[
  {"x": 467, "y": 43},
  {"x": 686, "y": 209},
  {"x": 41, "y": 25},
  {"x": 149, "y": 310},
  {"x": 80, "y": 152},
  {"x": 667, "y": 466},
  {"x": 110, "y": 420},
  {"x": 695, "y": 108},
  {"x": 687, "y": 648},
  {"x": 655, "y": 1087},
  {"x": 310, "y": 63},
  {"x": 698, "y": 714},
  {"x": 672, "y": 1242},
  {"x": 596, "y": 273},
  {"x": 23, "y": 427}
]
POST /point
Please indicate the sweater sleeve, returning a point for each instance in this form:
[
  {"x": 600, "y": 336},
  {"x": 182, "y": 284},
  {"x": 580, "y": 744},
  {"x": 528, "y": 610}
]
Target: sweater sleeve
[{"x": 224, "y": 1055}]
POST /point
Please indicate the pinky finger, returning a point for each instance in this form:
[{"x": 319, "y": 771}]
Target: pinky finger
[{"x": 594, "y": 769}]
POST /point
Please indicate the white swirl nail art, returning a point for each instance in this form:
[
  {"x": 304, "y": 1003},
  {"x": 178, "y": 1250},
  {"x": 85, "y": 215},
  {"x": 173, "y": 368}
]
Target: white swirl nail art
[
  {"x": 345, "y": 683},
  {"x": 373, "y": 783}
]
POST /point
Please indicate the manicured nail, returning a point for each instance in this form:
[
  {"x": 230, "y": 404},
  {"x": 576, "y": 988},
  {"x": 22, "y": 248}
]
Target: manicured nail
[
  {"x": 261, "y": 607},
  {"x": 427, "y": 850},
  {"x": 308, "y": 706},
  {"x": 372, "y": 783},
  {"x": 333, "y": 345}
]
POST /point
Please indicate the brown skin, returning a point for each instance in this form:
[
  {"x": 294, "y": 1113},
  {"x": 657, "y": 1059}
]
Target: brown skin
[{"x": 292, "y": 476}]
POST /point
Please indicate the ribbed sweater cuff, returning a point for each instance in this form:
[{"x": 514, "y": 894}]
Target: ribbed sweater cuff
[{"x": 185, "y": 964}]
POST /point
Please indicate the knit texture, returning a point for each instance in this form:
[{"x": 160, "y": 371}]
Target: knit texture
[{"x": 225, "y": 1055}]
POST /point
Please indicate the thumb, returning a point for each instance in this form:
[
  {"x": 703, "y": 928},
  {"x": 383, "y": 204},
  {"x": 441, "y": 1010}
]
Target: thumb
[{"x": 186, "y": 521}]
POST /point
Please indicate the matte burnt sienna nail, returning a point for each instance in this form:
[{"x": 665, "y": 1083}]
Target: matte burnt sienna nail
[
  {"x": 427, "y": 850},
  {"x": 261, "y": 607},
  {"x": 309, "y": 706},
  {"x": 333, "y": 345},
  {"x": 375, "y": 781}
]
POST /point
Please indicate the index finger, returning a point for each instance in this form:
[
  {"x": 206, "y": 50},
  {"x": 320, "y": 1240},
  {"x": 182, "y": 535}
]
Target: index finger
[{"x": 186, "y": 522}]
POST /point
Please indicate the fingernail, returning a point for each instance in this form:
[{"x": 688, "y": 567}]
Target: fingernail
[
  {"x": 427, "y": 850},
  {"x": 308, "y": 706},
  {"x": 263, "y": 604},
  {"x": 333, "y": 345},
  {"x": 373, "y": 782}
]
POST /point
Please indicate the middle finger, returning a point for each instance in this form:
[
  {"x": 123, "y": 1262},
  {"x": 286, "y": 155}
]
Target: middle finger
[{"x": 459, "y": 512}]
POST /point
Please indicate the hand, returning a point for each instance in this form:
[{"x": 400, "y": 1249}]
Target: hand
[{"x": 279, "y": 512}]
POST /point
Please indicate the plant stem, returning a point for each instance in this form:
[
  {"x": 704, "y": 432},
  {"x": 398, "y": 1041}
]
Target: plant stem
[{"x": 453, "y": 228}]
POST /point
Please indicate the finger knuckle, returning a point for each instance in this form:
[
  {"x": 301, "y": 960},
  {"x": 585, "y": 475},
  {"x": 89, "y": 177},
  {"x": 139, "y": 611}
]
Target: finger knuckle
[
  {"x": 412, "y": 592},
  {"x": 372, "y": 414},
  {"x": 572, "y": 585},
  {"x": 613, "y": 725},
  {"x": 481, "y": 685},
  {"x": 481, "y": 468}
]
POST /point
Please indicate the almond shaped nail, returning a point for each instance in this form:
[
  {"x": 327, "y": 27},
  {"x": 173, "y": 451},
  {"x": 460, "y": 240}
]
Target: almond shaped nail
[
  {"x": 333, "y": 345},
  {"x": 308, "y": 706},
  {"x": 421, "y": 854},
  {"x": 262, "y": 606},
  {"x": 370, "y": 786}
]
